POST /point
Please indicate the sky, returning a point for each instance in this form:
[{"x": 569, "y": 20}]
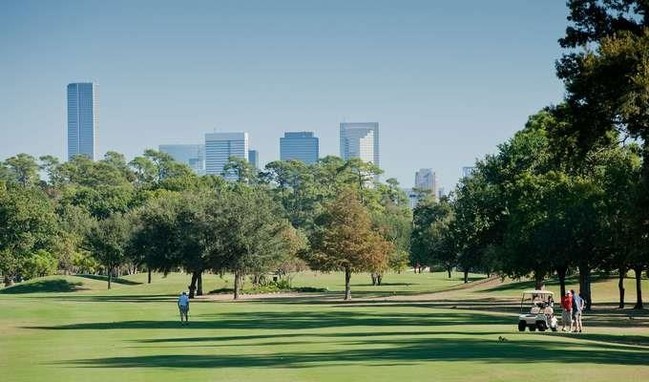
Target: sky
[{"x": 448, "y": 81}]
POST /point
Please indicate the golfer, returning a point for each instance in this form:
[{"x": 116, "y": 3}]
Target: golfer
[
  {"x": 183, "y": 307},
  {"x": 566, "y": 314}
]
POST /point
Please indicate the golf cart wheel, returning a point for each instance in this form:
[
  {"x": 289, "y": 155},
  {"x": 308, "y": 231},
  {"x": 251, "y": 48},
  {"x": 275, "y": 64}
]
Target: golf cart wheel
[
  {"x": 554, "y": 329},
  {"x": 541, "y": 326},
  {"x": 521, "y": 326},
  {"x": 532, "y": 328}
]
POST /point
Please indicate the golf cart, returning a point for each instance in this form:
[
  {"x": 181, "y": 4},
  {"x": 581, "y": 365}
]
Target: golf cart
[{"x": 537, "y": 311}]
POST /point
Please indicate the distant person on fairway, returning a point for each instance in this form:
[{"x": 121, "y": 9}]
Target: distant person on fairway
[
  {"x": 183, "y": 307},
  {"x": 566, "y": 314}
]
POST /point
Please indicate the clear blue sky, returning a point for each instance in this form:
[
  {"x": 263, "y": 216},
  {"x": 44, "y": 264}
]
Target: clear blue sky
[{"x": 447, "y": 80}]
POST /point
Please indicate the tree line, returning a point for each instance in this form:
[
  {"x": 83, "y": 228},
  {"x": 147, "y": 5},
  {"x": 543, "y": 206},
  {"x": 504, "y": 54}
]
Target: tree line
[
  {"x": 570, "y": 192},
  {"x": 154, "y": 214}
]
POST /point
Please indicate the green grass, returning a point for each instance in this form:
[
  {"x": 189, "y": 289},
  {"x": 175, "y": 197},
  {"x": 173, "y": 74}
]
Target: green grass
[{"x": 79, "y": 331}]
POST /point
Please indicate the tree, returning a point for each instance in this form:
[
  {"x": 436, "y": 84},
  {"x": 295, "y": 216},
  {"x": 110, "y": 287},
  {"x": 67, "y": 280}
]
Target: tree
[
  {"x": 431, "y": 243},
  {"x": 107, "y": 241},
  {"x": 23, "y": 169},
  {"x": 606, "y": 74},
  {"x": 154, "y": 241},
  {"x": 346, "y": 241},
  {"x": 27, "y": 226},
  {"x": 251, "y": 237},
  {"x": 240, "y": 170},
  {"x": 293, "y": 184}
]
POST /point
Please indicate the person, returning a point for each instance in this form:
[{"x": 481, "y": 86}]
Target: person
[
  {"x": 577, "y": 309},
  {"x": 183, "y": 307},
  {"x": 566, "y": 314}
]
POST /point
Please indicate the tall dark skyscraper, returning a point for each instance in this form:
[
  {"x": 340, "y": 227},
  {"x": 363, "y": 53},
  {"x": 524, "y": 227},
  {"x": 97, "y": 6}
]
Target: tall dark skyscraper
[
  {"x": 82, "y": 119},
  {"x": 302, "y": 146}
]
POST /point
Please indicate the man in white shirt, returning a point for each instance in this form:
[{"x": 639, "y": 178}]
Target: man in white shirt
[{"x": 183, "y": 307}]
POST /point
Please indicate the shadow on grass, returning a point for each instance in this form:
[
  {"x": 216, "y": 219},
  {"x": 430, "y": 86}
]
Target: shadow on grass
[
  {"x": 289, "y": 320},
  {"x": 115, "y": 280},
  {"x": 134, "y": 298},
  {"x": 392, "y": 352},
  {"x": 279, "y": 337},
  {"x": 43, "y": 286}
]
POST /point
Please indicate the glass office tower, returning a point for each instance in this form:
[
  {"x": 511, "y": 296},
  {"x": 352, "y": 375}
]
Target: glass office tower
[
  {"x": 192, "y": 155},
  {"x": 302, "y": 146},
  {"x": 219, "y": 147},
  {"x": 82, "y": 119},
  {"x": 360, "y": 140}
]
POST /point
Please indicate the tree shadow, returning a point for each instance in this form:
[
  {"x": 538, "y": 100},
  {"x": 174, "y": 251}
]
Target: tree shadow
[
  {"x": 134, "y": 298},
  {"x": 43, "y": 286},
  {"x": 115, "y": 280},
  {"x": 388, "y": 352},
  {"x": 284, "y": 320},
  {"x": 257, "y": 337}
]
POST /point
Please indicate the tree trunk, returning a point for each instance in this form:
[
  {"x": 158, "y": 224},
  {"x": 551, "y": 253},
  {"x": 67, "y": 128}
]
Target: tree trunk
[
  {"x": 379, "y": 278},
  {"x": 638, "y": 286},
  {"x": 449, "y": 269},
  {"x": 110, "y": 276},
  {"x": 620, "y": 286},
  {"x": 149, "y": 276},
  {"x": 192, "y": 286},
  {"x": 348, "y": 291},
  {"x": 237, "y": 284},
  {"x": 584, "y": 285},
  {"x": 373, "y": 276},
  {"x": 199, "y": 290},
  {"x": 561, "y": 273},
  {"x": 466, "y": 276},
  {"x": 9, "y": 281},
  {"x": 538, "y": 280}
]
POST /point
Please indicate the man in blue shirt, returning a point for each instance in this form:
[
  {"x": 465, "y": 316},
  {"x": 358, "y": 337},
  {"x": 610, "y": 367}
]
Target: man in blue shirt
[
  {"x": 183, "y": 307},
  {"x": 577, "y": 308}
]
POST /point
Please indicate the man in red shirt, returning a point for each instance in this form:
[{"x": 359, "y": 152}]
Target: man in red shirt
[{"x": 566, "y": 314}]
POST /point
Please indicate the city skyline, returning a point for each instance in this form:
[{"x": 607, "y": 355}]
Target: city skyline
[{"x": 447, "y": 85}]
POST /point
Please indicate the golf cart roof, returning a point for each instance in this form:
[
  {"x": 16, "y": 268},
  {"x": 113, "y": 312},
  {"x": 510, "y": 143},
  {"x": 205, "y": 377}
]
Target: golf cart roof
[{"x": 538, "y": 291}]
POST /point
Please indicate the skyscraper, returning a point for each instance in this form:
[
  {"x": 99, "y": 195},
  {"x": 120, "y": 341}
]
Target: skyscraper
[
  {"x": 192, "y": 155},
  {"x": 253, "y": 158},
  {"x": 82, "y": 119},
  {"x": 360, "y": 140},
  {"x": 302, "y": 146},
  {"x": 219, "y": 147},
  {"x": 426, "y": 179},
  {"x": 467, "y": 171}
]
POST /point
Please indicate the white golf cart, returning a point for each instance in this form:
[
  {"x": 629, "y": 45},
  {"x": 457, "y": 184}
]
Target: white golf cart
[{"x": 537, "y": 311}]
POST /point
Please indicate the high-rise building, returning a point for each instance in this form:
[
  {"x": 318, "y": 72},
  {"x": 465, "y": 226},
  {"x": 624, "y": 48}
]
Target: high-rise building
[
  {"x": 219, "y": 147},
  {"x": 302, "y": 146},
  {"x": 426, "y": 179},
  {"x": 467, "y": 171},
  {"x": 82, "y": 119},
  {"x": 192, "y": 155},
  {"x": 253, "y": 158},
  {"x": 360, "y": 140}
]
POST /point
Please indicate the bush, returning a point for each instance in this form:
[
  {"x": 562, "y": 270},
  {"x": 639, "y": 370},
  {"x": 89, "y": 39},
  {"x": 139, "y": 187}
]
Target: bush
[{"x": 41, "y": 263}]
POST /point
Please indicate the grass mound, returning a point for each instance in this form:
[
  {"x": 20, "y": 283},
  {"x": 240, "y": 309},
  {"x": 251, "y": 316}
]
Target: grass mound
[{"x": 57, "y": 285}]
